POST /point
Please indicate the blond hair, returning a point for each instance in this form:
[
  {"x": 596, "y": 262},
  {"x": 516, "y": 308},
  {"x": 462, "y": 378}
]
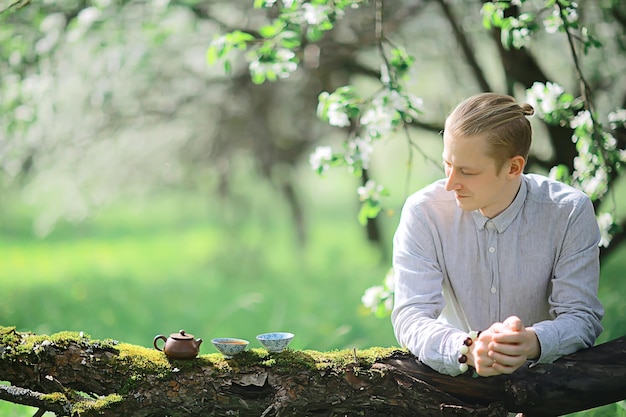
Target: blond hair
[{"x": 500, "y": 118}]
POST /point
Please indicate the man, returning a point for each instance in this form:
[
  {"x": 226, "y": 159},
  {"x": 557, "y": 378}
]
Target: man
[{"x": 490, "y": 248}]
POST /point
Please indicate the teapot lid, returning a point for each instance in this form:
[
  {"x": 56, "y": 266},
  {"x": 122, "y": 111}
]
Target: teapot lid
[{"x": 181, "y": 336}]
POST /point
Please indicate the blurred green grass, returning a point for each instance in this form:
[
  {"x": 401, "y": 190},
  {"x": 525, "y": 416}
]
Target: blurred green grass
[
  {"x": 209, "y": 276},
  {"x": 216, "y": 268}
]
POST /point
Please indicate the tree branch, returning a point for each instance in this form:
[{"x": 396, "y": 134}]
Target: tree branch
[
  {"x": 467, "y": 49},
  {"x": 17, "y": 4},
  {"x": 63, "y": 372}
]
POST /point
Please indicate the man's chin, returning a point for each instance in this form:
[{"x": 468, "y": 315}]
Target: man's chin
[{"x": 464, "y": 205}]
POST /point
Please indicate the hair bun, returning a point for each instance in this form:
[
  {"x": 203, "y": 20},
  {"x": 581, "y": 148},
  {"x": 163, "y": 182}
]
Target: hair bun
[{"x": 527, "y": 109}]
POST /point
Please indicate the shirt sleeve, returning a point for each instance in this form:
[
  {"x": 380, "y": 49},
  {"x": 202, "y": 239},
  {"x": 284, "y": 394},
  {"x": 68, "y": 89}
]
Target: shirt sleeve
[
  {"x": 574, "y": 302},
  {"x": 418, "y": 296}
]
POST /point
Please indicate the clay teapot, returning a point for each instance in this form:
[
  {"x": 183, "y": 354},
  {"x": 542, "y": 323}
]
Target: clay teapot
[{"x": 179, "y": 345}]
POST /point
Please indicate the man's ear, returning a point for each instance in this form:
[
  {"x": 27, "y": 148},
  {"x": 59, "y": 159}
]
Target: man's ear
[{"x": 516, "y": 166}]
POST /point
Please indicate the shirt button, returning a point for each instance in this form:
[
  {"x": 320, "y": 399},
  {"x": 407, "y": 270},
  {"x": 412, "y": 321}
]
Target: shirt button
[
  {"x": 493, "y": 290},
  {"x": 492, "y": 249}
]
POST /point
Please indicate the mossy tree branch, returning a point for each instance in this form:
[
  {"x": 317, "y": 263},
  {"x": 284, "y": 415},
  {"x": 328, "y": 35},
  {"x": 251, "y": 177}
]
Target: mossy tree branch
[{"x": 70, "y": 374}]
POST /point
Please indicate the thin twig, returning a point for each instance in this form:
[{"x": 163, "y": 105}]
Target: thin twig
[
  {"x": 18, "y": 4},
  {"x": 267, "y": 410},
  {"x": 380, "y": 39},
  {"x": 40, "y": 413},
  {"x": 587, "y": 100}
]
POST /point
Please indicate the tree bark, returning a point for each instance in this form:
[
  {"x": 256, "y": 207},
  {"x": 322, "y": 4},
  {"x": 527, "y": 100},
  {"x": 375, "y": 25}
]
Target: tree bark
[{"x": 69, "y": 374}]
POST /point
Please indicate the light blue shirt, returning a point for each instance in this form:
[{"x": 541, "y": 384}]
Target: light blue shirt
[{"x": 457, "y": 271}]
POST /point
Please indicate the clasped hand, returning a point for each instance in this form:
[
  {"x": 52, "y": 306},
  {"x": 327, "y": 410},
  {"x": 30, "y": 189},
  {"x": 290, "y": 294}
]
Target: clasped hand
[{"x": 503, "y": 348}]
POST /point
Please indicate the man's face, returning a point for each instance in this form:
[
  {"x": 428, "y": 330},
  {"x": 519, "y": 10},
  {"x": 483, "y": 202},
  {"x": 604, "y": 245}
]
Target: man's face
[{"x": 473, "y": 177}]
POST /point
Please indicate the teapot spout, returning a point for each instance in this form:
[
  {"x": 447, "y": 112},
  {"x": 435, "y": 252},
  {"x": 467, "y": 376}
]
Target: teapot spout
[{"x": 198, "y": 342}]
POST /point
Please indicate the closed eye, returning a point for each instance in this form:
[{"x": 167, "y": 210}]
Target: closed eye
[{"x": 461, "y": 170}]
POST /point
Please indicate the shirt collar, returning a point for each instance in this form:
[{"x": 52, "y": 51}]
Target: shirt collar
[{"x": 504, "y": 219}]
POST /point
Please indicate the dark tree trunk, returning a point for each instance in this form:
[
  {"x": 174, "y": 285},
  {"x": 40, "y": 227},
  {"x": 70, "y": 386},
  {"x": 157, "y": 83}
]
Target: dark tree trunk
[{"x": 71, "y": 375}]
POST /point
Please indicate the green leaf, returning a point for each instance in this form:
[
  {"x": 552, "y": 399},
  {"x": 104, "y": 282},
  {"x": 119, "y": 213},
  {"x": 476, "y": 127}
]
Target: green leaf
[
  {"x": 211, "y": 55},
  {"x": 497, "y": 18},
  {"x": 527, "y": 17},
  {"x": 487, "y": 11},
  {"x": 289, "y": 39},
  {"x": 561, "y": 173},
  {"x": 369, "y": 210},
  {"x": 362, "y": 217},
  {"x": 271, "y": 75},
  {"x": 258, "y": 78},
  {"x": 238, "y": 38},
  {"x": 272, "y": 30},
  {"x": 313, "y": 34}
]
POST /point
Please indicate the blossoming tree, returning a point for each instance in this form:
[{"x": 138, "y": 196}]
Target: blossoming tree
[
  {"x": 598, "y": 135},
  {"x": 566, "y": 59}
]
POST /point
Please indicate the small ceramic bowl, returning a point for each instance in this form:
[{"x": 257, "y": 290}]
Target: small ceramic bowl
[
  {"x": 275, "y": 342},
  {"x": 229, "y": 346}
]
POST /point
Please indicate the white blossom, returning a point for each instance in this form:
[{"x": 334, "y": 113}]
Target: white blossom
[
  {"x": 373, "y": 296},
  {"x": 378, "y": 120},
  {"x": 544, "y": 97},
  {"x": 605, "y": 221},
  {"x": 571, "y": 14},
  {"x": 591, "y": 185},
  {"x": 384, "y": 74},
  {"x": 521, "y": 38},
  {"x": 360, "y": 149},
  {"x": 415, "y": 102},
  {"x": 282, "y": 68},
  {"x": 320, "y": 159},
  {"x": 397, "y": 101},
  {"x": 582, "y": 119},
  {"x": 314, "y": 14},
  {"x": 88, "y": 15},
  {"x": 53, "y": 21},
  {"x": 370, "y": 191},
  {"x": 610, "y": 143},
  {"x": 617, "y": 118},
  {"x": 552, "y": 23},
  {"x": 390, "y": 280},
  {"x": 380, "y": 294},
  {"x": 389, "y": 303},
  {"x": 337, "y": 115}
]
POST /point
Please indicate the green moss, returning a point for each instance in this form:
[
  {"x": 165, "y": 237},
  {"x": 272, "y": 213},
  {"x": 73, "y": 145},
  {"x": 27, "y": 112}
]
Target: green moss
[
  {"x": 24, "y": 343},
  {"x": 340, "y": 358},
  {"x": 9, "y": 337},
  {"x": 101, "y": 403},
  {"x": 54, "y": 398},
  {"x": 137, "y": 361},
  {"x": 286, "y": 361},
  {"x": 143, "y": 359},
  {"x": 289, "y": 361},
  {"x": 84, "y": 404}
]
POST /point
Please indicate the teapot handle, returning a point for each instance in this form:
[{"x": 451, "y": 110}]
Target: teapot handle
[{"x": 157, "y": 338}]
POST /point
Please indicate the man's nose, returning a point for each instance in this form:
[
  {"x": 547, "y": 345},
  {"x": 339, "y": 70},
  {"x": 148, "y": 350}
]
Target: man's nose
[{"x": 451, "y": 182}]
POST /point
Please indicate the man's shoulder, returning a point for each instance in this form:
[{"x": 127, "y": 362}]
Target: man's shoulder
[
  {"x": 433, "y": 193},
  {"x": 546, "y": 190}
]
